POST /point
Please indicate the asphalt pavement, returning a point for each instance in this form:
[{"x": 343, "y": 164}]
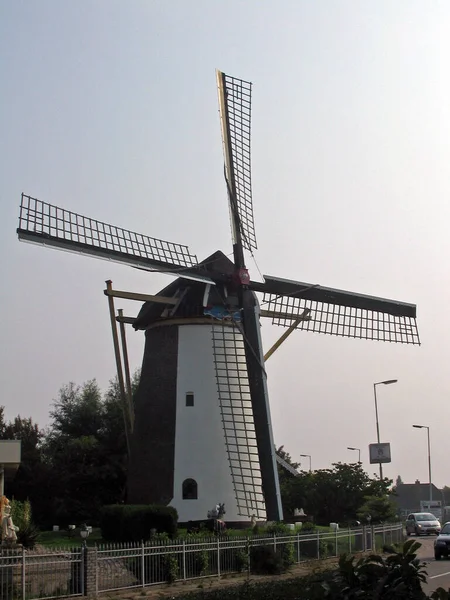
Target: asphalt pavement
[{"x": 438, "y": 570}]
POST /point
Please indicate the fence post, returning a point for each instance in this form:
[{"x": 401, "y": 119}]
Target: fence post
[
  {"x": 274, "y": 542},
  {"x": 143, "y": 563},
  {"x": 336, "y": 541},
  {"x": 298, "y": 547},
  {"x": 374, "y": 543},
  {"x": 90, "y": 571},
  {"x": 184, "y": 559},
  {"x": 24, "y": 594},
  {"x": 218, "y": 556},
  {"x": 83, "y": 570},
  {"x": 249, "y": 567},
  {"x": 318, "y": 543}
]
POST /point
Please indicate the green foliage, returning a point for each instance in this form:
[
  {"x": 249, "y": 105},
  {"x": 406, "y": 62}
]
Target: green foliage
[
  {"x": 202, "y": 560},
  {"x": 242, "y": 560},
  {"x": 171, "y": 568},
  {"x": 85, "y": 453},
  {"x": 331, "y": 495},
  {"x": 264, "y": 560},
  {"x": 133, "y": 523},
  {"x": 21, "y": 515},
  {"x": 288, "y": 554},
  {"x": 380, "y": 508},
  {"x": 398, "y": 576},
  {"x": 276, "y": 528}
]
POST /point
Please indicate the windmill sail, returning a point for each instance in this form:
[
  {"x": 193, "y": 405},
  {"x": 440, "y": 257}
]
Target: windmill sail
[
  {"x": 338, "y": 312},
  {"x": 237, "y": 418},
  {"x": 235, "y": 99},
  {"x": 45, "y": 224}
]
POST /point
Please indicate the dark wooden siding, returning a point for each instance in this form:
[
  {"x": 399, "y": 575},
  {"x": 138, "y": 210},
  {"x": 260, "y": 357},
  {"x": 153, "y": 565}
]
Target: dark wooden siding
[{"x": 151, "y": 469}]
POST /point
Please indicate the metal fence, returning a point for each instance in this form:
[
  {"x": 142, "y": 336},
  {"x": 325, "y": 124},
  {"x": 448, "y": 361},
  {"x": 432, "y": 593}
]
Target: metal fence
[
  {"x": 42, "y": 573},
  {"x": 29, "y": 575}
]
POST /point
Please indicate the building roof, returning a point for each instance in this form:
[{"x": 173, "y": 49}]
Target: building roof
[{"x": 409, "y": 495}]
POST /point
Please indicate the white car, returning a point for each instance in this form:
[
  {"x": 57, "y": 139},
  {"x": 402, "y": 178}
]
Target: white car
[{"x": 422, "y": 524}]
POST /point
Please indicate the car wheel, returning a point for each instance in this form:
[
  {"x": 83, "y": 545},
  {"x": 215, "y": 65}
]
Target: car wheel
[
  {"x": 437, "y": 556},
  {"x": 417, "y": 533}
]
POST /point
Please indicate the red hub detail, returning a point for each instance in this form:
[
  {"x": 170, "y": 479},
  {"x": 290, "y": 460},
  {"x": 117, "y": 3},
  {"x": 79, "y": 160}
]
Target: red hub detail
[{"x": 244, "y": 276}]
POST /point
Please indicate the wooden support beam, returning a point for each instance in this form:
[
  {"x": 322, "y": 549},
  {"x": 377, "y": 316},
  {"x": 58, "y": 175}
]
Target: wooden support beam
[
  {"x": 274, "y": 314},
  {"x": 140, "y": 297},
  {"x": 303, "y": 317},
  {"x": 126, "y": 320},
  {"x": 118, "y": 361},
  {"x": 127, "y": 371}
]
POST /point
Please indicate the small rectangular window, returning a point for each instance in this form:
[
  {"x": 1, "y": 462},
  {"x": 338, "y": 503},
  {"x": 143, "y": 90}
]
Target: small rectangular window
[{"x": 189, "y": 399}]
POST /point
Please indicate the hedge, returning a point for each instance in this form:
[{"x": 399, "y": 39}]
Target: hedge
[{"x": 134, "y": 522}]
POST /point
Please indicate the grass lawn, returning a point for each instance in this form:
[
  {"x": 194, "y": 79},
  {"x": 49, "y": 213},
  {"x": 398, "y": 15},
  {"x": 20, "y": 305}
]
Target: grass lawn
[{"x": 61, "y": 539}]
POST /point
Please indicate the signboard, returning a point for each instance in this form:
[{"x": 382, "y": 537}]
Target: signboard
[
  {"x": 434, "y": 507},
  {"x": 10, "y": 453},
  {"x": 379, "y": 453}
]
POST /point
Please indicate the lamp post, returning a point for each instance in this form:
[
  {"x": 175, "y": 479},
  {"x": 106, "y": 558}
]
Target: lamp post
[
  {"x": 84, "y": 532},
  {"x": 307, "y": 456},
  {"x": 429, "y": 458},
  {"x": 358, "y": 450},
  {"x": 387, "y": 382}
]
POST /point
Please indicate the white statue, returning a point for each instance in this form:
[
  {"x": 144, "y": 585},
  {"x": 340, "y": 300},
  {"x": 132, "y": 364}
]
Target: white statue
[{"x": 8, "y": 528}]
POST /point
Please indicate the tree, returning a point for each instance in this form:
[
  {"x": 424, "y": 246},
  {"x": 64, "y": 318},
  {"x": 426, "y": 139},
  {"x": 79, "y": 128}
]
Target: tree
[
  {"x": 398, "y": 481},
  {"x": 380, "y": 509},
  {"x": 32, "y": 475},
  {"x": 86, "y": 450},
  {"x": 331, "y": 495}
]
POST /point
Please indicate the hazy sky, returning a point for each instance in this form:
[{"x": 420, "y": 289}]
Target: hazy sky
[{"x": 109, "y": 109}]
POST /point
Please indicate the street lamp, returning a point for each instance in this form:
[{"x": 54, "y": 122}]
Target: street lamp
[
  {"x": 307, "y": 456},
  {"x": 387, "y": 382},
  {"x": 358, "y": 450},
  {"x": 429, "y": 458},
  {"x": 84, "y": 533}
]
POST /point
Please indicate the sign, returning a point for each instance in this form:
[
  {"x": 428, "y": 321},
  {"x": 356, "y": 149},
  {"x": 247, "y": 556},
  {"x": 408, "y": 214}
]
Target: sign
[{"x": 380, "y": 453}]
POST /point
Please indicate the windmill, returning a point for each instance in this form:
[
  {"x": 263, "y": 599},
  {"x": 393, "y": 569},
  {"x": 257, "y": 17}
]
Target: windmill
[{"x": 202, "y": 431}]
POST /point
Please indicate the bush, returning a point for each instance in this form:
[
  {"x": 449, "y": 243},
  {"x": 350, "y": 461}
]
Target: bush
[
  {"x": 28, "y": 532},
  {"x": 265, "y": 561},
  {"x": 133, "y": 523},
  {"x": 242, "y": 561},
  {"x": 170, "y": 568}
]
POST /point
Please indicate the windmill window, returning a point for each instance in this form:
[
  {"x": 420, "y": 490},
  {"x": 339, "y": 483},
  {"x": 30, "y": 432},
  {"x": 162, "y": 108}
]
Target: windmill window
[
  {"x": 190, "y": 399},
  {"x": 190, "y": 489}
]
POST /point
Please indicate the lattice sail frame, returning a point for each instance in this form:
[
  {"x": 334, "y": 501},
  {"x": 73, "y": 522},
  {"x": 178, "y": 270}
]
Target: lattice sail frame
[
  {"x": 343, "y": 321},
  {"x": 40, "y": 222},
  {"x": 237, "y": 418},
  {"x": 235, "y": 111}
]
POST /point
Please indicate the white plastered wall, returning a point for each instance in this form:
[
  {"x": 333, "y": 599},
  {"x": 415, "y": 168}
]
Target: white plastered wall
[{"x": 200, "y": 451}]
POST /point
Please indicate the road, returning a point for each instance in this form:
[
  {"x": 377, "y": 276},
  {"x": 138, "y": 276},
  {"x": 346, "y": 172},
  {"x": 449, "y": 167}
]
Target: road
[{"x": 438, "y": 570}]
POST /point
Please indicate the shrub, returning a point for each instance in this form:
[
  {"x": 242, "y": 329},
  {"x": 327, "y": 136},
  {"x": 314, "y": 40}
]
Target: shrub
[
  {"x": 28, "y": 532},
  {"x": 171, "y": 568},
  {"x": 277, "y": 528},
  {"x": 202, "y": 560},
  {"x": 265, "y": 561},
  {"x": 288, "y": 554},
  {"x": 242, "y": 561},
  {"x": 133, "y": 523}
]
